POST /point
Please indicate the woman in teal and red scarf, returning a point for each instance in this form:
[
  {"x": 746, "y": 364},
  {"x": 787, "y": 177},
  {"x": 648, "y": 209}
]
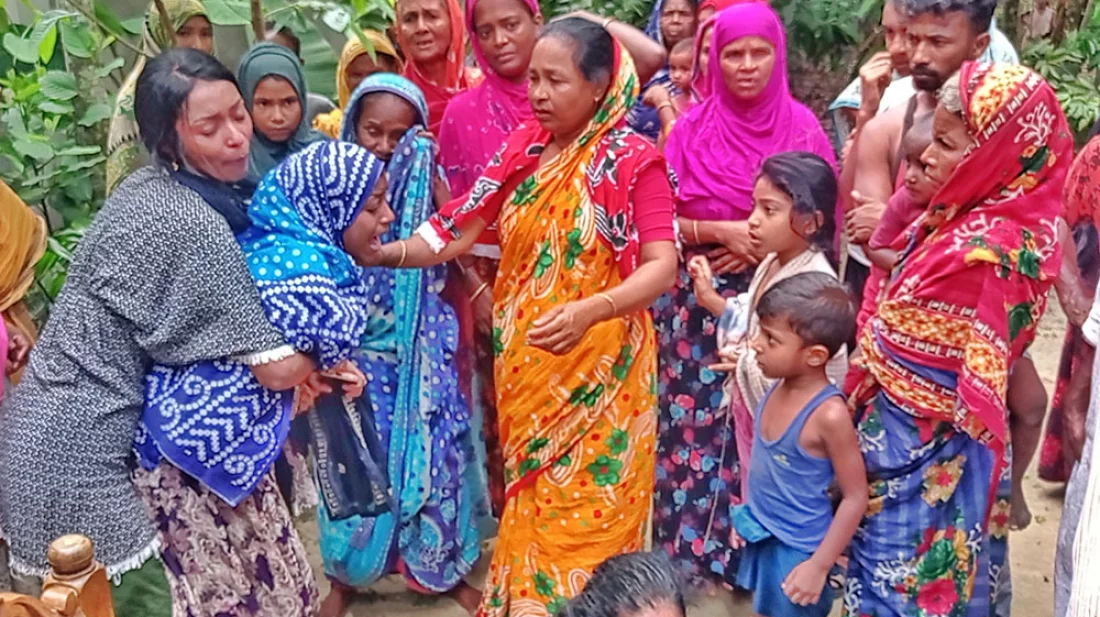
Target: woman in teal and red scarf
[{"x": 960, "y": 309}]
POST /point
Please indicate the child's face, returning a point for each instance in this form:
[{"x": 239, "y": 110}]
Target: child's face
[
  {"x": 383, "y": 121},
  {"x": 779, "y": 350},
  {"x": 363, "y": 67},
  {"x": 770, "y": 224},
  {"x": 679, "y": 70},
  {"x": 921, "y": 188}
]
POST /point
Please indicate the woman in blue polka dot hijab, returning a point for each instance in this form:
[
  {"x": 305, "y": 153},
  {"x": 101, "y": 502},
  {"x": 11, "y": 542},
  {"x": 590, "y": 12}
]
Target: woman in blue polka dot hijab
[{"x": 315, "y": 219}]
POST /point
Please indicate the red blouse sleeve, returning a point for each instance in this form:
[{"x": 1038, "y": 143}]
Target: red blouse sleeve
[{"x": 653, "y": 207}]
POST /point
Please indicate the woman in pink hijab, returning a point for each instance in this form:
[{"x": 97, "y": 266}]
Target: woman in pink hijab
[{"x": 716, "y": 150}]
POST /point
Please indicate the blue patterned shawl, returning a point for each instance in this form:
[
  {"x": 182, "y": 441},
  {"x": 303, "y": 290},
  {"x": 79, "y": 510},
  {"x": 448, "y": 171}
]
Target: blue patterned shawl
[
  {"x": 420, "y": 414},
  {"x": 213, "y": 420}
]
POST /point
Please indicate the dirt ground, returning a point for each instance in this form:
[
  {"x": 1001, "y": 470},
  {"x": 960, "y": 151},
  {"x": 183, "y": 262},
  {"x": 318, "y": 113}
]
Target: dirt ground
[{"x": 1032, "y": 550}]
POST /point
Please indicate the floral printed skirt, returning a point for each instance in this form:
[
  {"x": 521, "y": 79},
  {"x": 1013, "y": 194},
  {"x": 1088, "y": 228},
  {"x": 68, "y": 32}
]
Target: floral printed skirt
[
  {"x": 698, "y": 471},
  {"x": 223, "y": 561},
  {"x": 926, "y": 546}
]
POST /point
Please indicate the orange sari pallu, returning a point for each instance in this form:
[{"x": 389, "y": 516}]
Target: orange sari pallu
[{"x": 578, "y": 430}]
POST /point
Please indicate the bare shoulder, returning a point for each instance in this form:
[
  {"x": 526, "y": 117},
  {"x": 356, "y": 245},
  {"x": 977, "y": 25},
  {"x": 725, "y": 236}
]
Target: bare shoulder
[
  {"x": 884, "y": 128},
  {"x": 832, "y": 416}
]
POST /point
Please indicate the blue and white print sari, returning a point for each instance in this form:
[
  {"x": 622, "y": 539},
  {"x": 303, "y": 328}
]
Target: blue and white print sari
[{"x": 213, "y": 419}]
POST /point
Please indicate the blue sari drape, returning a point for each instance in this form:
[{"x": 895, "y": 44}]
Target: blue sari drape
[
  {"x": 925, "y": 544},
  {"x": 408, "y": 353}
]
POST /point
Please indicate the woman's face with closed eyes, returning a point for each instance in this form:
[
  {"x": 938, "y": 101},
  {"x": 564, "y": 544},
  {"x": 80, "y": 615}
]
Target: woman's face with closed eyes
[{"x": 215, "y": 131}]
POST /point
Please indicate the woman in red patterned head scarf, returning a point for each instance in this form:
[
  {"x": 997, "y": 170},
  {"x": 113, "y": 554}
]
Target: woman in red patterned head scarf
[{"x": 961, "y": 307}]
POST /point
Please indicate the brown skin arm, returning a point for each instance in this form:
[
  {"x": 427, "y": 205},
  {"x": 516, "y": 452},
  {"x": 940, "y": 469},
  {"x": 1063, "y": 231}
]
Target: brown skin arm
[
  {"x": 284, "y": 374},
  {"x": 563, "y": 327},
  {"x": 419, "y": 255},
  {"x": 835, "y": 434},
  {"x": 1075, "y": 405},
  {"x": 734, "y": 253},
  {"x": 874, "y": 149},
  {"x": 882, "y": 258},
  {"x": 1075, "y": 299}
]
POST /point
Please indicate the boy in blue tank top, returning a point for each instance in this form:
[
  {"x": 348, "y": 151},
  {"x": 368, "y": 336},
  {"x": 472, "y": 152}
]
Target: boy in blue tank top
[{"x": 803, "y": 440}]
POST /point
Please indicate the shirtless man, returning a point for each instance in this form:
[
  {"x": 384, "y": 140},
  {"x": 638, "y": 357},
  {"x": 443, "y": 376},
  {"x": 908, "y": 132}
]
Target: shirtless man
[
  {"x": 940, "y": 35},
  {"x": 881, "y": 80}
]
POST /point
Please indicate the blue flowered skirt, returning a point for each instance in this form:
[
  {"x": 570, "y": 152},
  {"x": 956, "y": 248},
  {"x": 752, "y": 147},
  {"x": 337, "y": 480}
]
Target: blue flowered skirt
[{"x": 925, "y": 546}]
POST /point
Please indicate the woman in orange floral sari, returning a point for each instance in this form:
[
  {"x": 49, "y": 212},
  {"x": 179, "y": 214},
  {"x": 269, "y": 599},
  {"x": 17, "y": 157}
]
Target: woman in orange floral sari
[
  {"x": 584, "y": 211},
  {"x": 960, "y": 308}
]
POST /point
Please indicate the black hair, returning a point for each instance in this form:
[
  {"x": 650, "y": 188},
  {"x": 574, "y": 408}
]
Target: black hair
[
  {"x": 162, "y": 91},
  {"x": 816, "y": 305},
  {"x": 295, "y": 43},
  {"x": 979, "y": 12},
  {"x": 593, "y": 47},
  {"x": 626, "y": 585},
  {"x": 811, "y": 184}
]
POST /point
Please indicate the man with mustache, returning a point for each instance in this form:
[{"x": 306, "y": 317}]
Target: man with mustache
[
  {"x": 885, "y": 84},
  {"x": 940, "y": 36}
]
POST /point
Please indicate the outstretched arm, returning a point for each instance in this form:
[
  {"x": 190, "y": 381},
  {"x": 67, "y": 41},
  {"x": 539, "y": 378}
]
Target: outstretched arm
[{"x": 417, "y": 253}]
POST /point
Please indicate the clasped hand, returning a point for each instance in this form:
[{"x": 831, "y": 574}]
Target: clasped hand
[
  {"x": 561, "y": 328},
  {"x": 319, "y": 384}
]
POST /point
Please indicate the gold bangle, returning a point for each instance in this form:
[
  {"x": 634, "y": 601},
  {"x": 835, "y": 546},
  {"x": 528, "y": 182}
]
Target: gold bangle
[
  {"x": 695, "y": 230},
  {"x": 404, "y": 253},
  {"x": 607, "y": 22},
  {"x": 480, "y": 290},
  {"x": 611, "y": 301}
]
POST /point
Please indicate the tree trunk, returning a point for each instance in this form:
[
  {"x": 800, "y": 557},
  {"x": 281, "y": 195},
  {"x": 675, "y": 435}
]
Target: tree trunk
[{"x": 258, "y": 29}]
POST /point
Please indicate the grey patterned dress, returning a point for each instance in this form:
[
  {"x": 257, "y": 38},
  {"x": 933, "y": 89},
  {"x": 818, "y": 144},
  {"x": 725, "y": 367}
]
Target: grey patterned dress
[{"x": 159, "y": 278}]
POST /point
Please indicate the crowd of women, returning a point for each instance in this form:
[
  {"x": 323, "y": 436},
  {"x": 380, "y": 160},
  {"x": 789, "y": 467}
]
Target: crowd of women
[{"x": 478, "y": 299}]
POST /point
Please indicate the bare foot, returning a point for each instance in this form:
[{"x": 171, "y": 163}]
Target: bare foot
[
  {"x": 466, "y": 596},
  {"x": 1021, "y": 514},
  {"x": 337, "y": 602}
]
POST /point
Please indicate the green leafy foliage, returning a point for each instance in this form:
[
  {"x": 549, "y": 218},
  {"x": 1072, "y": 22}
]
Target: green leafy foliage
[
  {"x": 634, "y": 12},
  {"x": 1072, "y": 70},
  {"x": 826, "y": 32},
  {"x": 56, "y": 99}
]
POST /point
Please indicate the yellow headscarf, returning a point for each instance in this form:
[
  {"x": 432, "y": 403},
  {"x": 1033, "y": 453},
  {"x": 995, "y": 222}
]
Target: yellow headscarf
[
  {"x": 22, "y": 243},
  {"x": 124, "y": 150},
  {"x": 330, "y": 123}
]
